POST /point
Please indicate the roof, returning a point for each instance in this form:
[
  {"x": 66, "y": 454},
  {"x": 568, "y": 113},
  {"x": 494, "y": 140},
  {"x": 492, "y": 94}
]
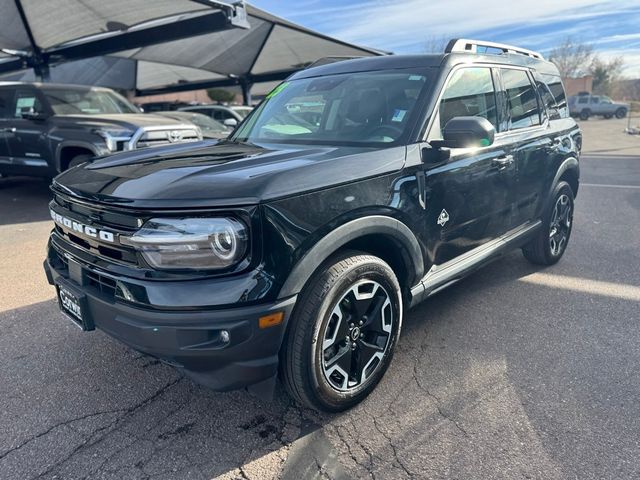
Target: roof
[{"x": 423, "y": 61}]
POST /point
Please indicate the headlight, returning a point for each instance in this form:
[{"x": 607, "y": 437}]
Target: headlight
[
  {"x": 191, "y": 243},
  {"x": 113, "y": 136}
]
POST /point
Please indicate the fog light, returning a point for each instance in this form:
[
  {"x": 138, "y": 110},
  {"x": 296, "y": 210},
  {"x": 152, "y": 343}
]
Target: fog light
[{"x": 224, "y": 336}]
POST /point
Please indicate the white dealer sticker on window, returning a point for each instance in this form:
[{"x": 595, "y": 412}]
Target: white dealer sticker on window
[{"x": 398, "y": 115}]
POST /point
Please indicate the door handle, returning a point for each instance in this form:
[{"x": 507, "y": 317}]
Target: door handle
[{"x": 503, "y": 162}]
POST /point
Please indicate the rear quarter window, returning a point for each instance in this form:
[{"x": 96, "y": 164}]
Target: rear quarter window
[{"x": 522, "y": 99}]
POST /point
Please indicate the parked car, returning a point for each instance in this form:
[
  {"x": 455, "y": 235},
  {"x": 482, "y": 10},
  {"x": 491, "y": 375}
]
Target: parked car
[
  {"x": 47, "y": 128},
  {"x": 585, "y": 106},
  {"x": 242, "y": 110},
  {"x": 152, "y": 107},
  {"x": 226, "y": 115},
  {"x": 296, "y": 248},
  {"x": 209, "y": 127}
]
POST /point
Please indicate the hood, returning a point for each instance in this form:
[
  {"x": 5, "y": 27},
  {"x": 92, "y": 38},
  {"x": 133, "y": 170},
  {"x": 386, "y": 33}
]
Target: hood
[
  {"x": 206, "y": 174},
  {"x": 127, "y": 120}
]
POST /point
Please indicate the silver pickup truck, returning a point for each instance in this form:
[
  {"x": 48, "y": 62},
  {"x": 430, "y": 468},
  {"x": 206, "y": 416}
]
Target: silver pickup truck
[{"x": 585, "y": 106}]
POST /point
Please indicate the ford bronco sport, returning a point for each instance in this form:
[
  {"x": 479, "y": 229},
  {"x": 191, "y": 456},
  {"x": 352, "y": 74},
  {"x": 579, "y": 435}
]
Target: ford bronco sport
[
  {"x": 47, "y": 128},
  {"x": 354, "y": 191}
]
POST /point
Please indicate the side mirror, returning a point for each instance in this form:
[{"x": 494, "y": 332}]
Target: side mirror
[
  {"x": 466, "y": 132},
  {"x": 29, "y": 113},
  {"x": 231, "y": 122}
]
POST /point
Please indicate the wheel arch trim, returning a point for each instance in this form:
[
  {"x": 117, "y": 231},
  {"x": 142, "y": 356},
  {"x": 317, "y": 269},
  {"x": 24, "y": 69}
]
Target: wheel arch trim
[{"x": 345, "y": 233}]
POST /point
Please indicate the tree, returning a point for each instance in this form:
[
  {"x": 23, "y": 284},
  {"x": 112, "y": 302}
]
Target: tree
[
  {"x": 605, "y": 74},
  {"x": 572, "y": 57},
  {"x": 220, "y": 96},
  {"x": 436, "y": 44}
]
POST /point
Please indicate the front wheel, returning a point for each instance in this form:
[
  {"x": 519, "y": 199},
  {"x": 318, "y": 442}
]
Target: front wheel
[
  {"x": 548, "y": 246},
  {"x": 343, "y": 332},
  {"x": 585, "y": 114}
]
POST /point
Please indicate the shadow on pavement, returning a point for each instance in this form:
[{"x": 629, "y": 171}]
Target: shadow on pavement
[{"x": 24, "y": 200}]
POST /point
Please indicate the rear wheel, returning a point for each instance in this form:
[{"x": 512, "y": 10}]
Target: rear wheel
[
  {"x": 551, "y": 242},
  {"x": 621, "y": 113},
  {"x": 343, "y": 333},
  {"x": 585, "y": 114}
]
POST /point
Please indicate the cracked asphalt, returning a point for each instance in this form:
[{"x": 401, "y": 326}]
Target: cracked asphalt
[{"x": 516, "y": 372}]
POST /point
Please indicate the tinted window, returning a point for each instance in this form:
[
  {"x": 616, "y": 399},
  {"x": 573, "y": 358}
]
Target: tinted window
[
  {"x": 72, "y": 101},
  {"x": 583, "y": 99},
  {"x": 557, "y": 90},
  {"x": 521, "y": 98},
  {"x": 595, "y": 99},
  {"x": 469, "y": 92}
]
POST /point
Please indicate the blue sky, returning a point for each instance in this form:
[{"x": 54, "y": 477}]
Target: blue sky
[{"x": 612, "y": 27}]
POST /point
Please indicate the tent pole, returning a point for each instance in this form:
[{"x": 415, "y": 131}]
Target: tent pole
[{"x": 246, "y": 91}]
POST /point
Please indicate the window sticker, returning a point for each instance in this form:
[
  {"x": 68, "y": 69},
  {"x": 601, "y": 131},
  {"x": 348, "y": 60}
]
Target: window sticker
[{"x": 398, "y": 115}]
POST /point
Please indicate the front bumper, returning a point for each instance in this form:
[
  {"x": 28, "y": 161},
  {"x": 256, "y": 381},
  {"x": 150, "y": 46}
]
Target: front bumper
[{"x": 192, "y": 340}]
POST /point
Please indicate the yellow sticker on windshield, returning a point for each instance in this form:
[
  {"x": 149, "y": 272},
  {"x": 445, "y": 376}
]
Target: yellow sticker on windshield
[{"x": 277, "y": 90}]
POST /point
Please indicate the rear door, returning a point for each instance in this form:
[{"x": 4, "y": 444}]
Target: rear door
[
  {"x": 534, "y": 139},
  {"x": 468, "y": 198}
]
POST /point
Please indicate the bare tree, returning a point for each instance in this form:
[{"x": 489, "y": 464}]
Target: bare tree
[
  {"x": 571, "y": 57},
  {"x": 436, "y": 43},
  {"x": 605, "y": 74}
]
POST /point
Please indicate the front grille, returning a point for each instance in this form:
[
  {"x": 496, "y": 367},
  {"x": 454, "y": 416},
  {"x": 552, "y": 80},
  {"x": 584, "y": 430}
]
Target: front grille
[
  {"x": 157, "y": 137},
  {"x": 114, "y": 223},
  {"x": 103, "y": 284}
]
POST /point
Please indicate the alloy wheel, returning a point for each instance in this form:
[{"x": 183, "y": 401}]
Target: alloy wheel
[
  {"x": 560, "y": 227},
  {"x": 357, "y": 335}
]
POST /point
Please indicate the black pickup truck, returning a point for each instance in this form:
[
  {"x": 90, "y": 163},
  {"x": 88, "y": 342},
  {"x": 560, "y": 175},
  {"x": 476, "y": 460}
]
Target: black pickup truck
[
  {"x": 354, "y": 191},
  {"x": 46, "y": 128}
]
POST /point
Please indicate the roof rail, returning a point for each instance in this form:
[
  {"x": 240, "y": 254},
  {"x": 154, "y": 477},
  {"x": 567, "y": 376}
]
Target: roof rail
[{"x": 471, "y": 46}]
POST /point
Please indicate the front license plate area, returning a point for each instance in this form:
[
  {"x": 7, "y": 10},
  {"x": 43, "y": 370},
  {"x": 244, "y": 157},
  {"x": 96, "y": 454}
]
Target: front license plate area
[{"x": 73, "y": 304}]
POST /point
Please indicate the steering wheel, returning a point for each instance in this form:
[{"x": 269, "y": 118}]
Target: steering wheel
[{"x": 389, "y": 128}]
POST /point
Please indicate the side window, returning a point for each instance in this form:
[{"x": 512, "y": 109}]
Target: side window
[
  {"x": 557, "y": 90},
  {"x": 469, "y": 92},
  {"x": 521, "y": 97},
  {"x": 583, "y": 99},
  {"x": 595, "y": 100},
  {"x": 6, "y": 103},
  {"x": 26, "y": 101}
]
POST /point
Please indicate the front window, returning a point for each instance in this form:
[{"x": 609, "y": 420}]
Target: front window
[
  {"x": 86, "y": 102},
  {"x": 362, "y": 108}
]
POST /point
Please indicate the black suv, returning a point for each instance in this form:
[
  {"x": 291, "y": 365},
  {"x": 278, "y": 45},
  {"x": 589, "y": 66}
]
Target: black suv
[
  {"x": 47, "y": 128},
  {"x": 354, "y": 191}
]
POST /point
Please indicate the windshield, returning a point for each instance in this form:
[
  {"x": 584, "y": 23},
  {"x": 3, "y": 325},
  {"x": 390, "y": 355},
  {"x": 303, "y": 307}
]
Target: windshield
[
  {"x": 206, "y": 122},
  {"x": 347, "y": 109},
  {"x": 88, "y": 102}
]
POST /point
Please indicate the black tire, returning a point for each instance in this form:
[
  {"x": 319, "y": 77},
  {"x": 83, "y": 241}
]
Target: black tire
[
  {"x": 78, "y": 160},
  {"x": 327, "y": 308},
  {"x": 621, "y": 113},
  {"x": 585, "y": 114},
  {"x": 547, "y": 247}
]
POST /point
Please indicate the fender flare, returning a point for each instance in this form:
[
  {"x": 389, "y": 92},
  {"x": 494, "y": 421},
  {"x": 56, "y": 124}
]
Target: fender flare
[
  {"x": 570, "y": 163},
  {"x": 72, "y": 143},
  {"x": 337, "y": 238}
]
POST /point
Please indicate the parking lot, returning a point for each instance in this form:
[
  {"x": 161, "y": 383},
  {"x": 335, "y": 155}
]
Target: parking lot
[{"x": 516, "y": 372}]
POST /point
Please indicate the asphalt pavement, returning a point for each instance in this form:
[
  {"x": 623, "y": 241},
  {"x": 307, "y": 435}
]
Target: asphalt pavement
[{"x": 515, "y": 372}]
